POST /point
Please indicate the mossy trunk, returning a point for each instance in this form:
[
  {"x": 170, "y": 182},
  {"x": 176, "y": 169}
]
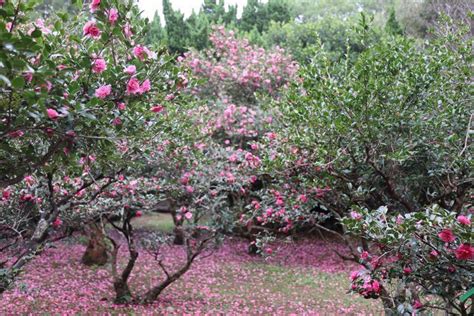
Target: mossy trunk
[{"x": 96, "y": 251}]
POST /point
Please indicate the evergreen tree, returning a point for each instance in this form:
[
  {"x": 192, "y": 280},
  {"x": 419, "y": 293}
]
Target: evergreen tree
[
  {"x": 177, "y": 31},
  {"x": 392, "y": 26},
  {"x": 156, "y": 33},
  {"x": 199, "y": 30},
  {"x": 213, "y": 10},
  {"x": 250, "y": 15},
  {"x": 230, "y": 16},
  {"x": 278, "y": 11}
]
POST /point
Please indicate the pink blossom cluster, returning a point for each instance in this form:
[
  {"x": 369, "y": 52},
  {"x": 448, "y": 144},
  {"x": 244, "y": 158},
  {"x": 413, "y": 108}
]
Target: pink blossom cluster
[{"x": 234, "y": 68}]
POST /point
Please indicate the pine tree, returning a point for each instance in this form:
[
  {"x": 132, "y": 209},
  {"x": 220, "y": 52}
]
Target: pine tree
[
  {"x": 392, "y": 26},
  {"x": 177, "y": 31},
  {"x": 156, "y": 33}
]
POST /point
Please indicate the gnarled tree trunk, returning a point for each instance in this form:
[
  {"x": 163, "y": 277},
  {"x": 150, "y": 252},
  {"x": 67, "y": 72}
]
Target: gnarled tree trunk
[{"x": 96, "y": 251}]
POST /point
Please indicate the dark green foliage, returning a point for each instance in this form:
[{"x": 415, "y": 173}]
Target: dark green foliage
[
  {"x": 199, "y": 30},
  {"x": 259, "y": 15},
  {"x": 156, "y": 33},
  {"x": 390, "y": 128},
  {"x": 392, "y": 26},
  {"x": 177, "y": 31}
]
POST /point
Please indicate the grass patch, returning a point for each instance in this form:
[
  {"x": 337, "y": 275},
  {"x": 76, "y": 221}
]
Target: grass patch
[{"x": 161, "y": 222}]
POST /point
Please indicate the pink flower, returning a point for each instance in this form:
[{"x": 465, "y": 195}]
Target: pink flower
[
  {"x": 447, "y": 235},
  {"x": 2, "y": 2},
  {"x": 417, "y": 304},
  {"x": 188, "y": 215},
  {"x": 91, "y": 30},
  {"x": 157, "y": 108},
  {"x": 99, "y": 65},
  {"x": 376, "y": 286},
  {"x": 433, "y": 254},
  {"x": 354, "y": 275},
  {"x": 121, "y": 106},
  {"x": 131, "y": 70},
  {"x": 133, "y": 86},
  {"x": 117, "y": 121},
  {"x": 52, "y": 114},
  {"x": 464, "y": 220},
  {"x": 145, "y": 87},
  {"x": 16, "y": 134},
  {"x": 303, "y": 198},
  {"x": 138, "y": 213},
  {"x": 269, "y": 251},
  {"x": 57, "y": 222},
  {"x": 465, "y": 252},
  {"x": 94, "y": 5},
  {"x": 141, "y": 52},
  {"x": 400, "y": 219},
  {"x": 112, "y": 15},
  {"x": 407, "y": 270},
  {"x": 103, "y": 91},
  {"x": 127, "y": 30},
  {"x": 28, "y": 76},
  {"x": 356, "y": 216},
  {"x": 364, "y": 255}
]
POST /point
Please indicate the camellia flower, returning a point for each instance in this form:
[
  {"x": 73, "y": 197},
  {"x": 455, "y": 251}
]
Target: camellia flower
[
  {"x": 464, "y": 220},
  {"x": 465, "y": 252},
  {"x": 99, "y": 65},
  {"x": 407, "y": 270},
  {"x": 133, "y": 86},
  {"x": 52, "y": 114},
  {"x": 356, "y": 216},
  {"x": 376, "y": 286},
  {"x": 364, "y": 255},
  {"x": 121, "y": 106},
  {"x": 131, "y": 70},
  {"x": 354, "y": 275},
  {"x": 145, "y": 87},
  {"x": 28, "y": 75},
  {"x": 91, "y": 30},
  {"x": 434, "y": 254},
  {"x": 112, "y": 15},
  {"x": 303, "y": 198},
  {"x": 188, "y": 215},
  {"x": 447, "y": 235},
  {"x": 94, "y": 5},
  {"x": 157, "y": 108},
  {"x": 127, "y": 30},
  {"x": 138, "y": 213},
  {"x": 16, "y": 134},
  {"x": 103, "y": 91},
  {"x": 141, "y": 52},
  {"x": 417, "y": 304},
  {"x": 117, "y": 121},
  {"x": 57, "y": 222}
]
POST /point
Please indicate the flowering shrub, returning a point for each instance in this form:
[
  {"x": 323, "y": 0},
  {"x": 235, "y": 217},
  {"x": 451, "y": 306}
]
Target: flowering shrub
[
  {"x": 416, "y": 261},
  {"x": 236, "y": 70},
  {"x": 395, "y": 133},
  {"x": 71, "y": 85},
  {"x": 78, "y": 96}
]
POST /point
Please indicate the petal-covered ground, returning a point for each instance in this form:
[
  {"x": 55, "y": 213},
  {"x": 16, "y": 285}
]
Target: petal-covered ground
[{"x": 305, "y": 278}]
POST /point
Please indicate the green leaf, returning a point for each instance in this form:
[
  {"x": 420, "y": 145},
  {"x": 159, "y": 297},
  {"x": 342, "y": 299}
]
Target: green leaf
[
  {"x": 467, "y": 295},
  {"x": 18, "y": 82},
  {"x": 36, "y": 33}
]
